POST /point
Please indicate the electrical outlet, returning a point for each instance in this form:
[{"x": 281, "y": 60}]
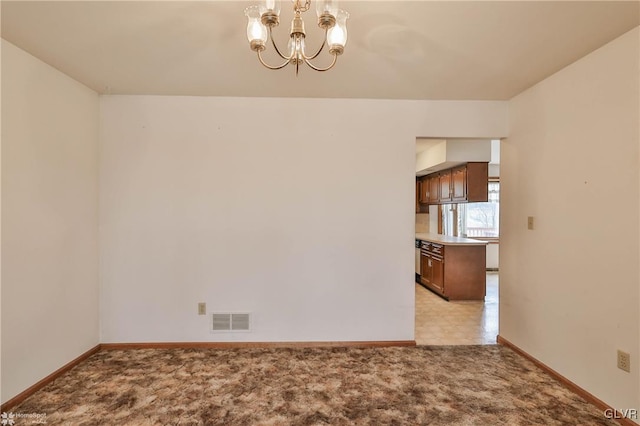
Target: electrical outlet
[
  {"x": 624, "y": 361},
  {"x": 202, "y": 308},
  {"x": 530, "y": 222}
]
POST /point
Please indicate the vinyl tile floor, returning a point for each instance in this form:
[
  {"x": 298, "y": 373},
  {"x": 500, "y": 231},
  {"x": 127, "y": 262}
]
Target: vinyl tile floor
[{"x": 439, "y": 322}]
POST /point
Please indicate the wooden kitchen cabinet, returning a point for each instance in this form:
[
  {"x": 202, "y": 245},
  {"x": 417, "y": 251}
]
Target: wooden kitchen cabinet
[
  {"x": 422, "y": 196},
  {"x": 459, "y": 183},
  {"x": 445, "y": 186},
  {"x": 455, "y": 272},
  {"x": 425, "y": 269},
  {"x": 433, "y": 265},
  {"x": 434, "y": 189},
  {"x": 477, "y": 182},
  {"x": 437, "y": 274},
  {"x": 424, "y": 191},
  {"x": 468, "y": 183}
]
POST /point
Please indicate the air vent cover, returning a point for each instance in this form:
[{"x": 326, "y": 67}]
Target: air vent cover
[
  {"x": 240, "y": 321},
  {"x": 230, "y": 322}
]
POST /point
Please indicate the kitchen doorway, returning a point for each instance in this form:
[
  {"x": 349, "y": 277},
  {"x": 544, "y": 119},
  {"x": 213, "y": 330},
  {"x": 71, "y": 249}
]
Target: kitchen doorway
[{"x": 442, "y": 322}]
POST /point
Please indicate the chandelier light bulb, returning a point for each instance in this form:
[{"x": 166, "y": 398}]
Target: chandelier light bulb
[
  {"x": 297, "y": 52},
  {"x": 337, "y": 35},
  {"x": 272, "y": 6},
  {"x": 326, "y": 6},
  {"x": 291, "y": 46},
  {"x": 256, "y": 31}
]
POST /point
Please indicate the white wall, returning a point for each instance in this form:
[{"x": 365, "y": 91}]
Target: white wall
[
  {"x": 433, "y": 219},
  {"x": 569, "y": 289},
  {"x": 49, "y": 220},
  {"x": 493, "y": 256},
  {"x": 467, "y": 150},
  {"x": 299, "y": 211}
]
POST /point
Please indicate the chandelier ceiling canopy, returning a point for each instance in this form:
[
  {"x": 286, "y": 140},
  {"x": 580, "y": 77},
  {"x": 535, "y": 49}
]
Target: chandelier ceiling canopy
[{"x": 264, "y": 17}]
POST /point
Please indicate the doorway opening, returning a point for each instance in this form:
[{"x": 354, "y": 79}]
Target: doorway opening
[{"x": 460, "y": 322}]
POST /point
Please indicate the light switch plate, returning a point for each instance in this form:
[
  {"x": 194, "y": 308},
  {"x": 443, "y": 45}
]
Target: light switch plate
[
  {"x": 624, "y": 361},
  {"x": 530, "y": 222}
]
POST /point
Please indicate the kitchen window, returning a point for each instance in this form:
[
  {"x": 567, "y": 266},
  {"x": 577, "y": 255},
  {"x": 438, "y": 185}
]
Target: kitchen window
[{"x": 473, "y": 220}]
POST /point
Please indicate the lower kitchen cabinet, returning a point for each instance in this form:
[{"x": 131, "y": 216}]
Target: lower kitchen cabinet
[
  {"x": 456, "y": 272},
  {"x": 437, "y": 274},
  {"x": 425, "y": 269}
]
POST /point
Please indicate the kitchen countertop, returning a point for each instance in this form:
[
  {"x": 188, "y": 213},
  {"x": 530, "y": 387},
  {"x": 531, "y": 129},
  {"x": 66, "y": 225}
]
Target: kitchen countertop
[{"x": 449, "y": 241}]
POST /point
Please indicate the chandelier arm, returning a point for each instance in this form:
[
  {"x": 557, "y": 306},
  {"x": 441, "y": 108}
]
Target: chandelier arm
[
  {"x": 335, "y": 58},
  {"x": 324, "y": 43},
  {"x": 276, "y": 47},
  {"x": 277, "y": 67}
]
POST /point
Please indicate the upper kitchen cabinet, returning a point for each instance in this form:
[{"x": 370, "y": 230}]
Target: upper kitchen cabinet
[
  {"x": 444, "y": 179},
  {"x": 461, "y": 184},
  {"x": 422, "y": 196},
  {"x": 476, "y": 182},
  {"x": 434, "y": 187},
  {"x": 422, "y": 189}
]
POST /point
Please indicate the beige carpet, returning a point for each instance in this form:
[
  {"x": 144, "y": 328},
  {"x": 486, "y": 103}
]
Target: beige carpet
[{"x": 450, "y": 385}]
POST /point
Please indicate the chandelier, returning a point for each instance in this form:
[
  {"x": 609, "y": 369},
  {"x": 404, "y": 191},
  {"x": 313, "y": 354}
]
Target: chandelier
[{"x": 266, "y": 16}]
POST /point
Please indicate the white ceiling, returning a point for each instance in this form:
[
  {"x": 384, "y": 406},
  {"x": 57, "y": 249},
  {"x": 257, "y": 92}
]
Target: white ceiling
[{"x": 396, "y": 49}]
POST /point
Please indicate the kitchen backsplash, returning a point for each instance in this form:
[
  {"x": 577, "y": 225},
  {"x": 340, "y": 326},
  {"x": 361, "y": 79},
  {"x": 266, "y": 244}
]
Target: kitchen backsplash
[{"x": 422, "y": 222}]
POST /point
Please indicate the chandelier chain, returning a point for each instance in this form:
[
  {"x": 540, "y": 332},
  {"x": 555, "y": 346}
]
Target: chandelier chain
[{"x": 298, "y": 6}]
